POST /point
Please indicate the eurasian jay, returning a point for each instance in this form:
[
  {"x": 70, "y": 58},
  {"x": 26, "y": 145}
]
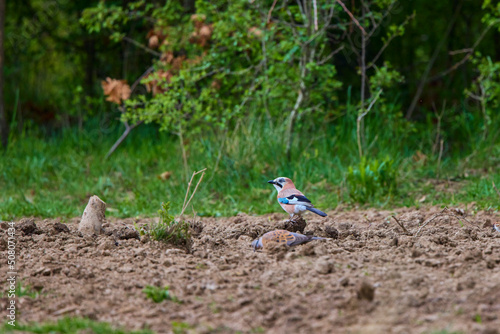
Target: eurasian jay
[
  {"x": 282, "y": 237},
  {"x": 497, "y": 227},
  {"x": 292, "y": 200}
]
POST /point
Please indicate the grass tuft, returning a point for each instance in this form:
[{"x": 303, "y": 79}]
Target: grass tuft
[
  {"x": 69, "y": 325},
  {"x": 158, "y": 294}
]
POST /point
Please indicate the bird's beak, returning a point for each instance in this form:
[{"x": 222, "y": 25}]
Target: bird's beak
[{"x": 271, "y": 181}]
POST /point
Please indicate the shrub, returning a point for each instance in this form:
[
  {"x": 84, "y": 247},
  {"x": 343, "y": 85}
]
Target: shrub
[
  {"x": 170, "y": 230},
  {"x": 372, "y": 178}
]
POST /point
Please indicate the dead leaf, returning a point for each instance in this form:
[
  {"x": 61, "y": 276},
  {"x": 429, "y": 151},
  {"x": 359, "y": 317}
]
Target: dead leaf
[
  {"x": 421, "y": 200},
  {"x": 157, "y": 84},
  {"x": 215, "y": 84},
  {"x": 255, "y": 31},
  {"x": 165, "y": 176},
  {"x": 116, "y": 90},
  {"x": 153, "y": 42},
  {"x": 167, "y": 57}
]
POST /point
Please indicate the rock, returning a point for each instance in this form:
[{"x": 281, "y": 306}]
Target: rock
[
  {"x": 93, "y": 217},
  {"x": 366, "y": 291},
  {"x": 27, "y": 226},
  {"x": 58, "y": 228}
]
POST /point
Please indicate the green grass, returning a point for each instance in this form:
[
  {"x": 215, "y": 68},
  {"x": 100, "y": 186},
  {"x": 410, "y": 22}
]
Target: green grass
[
  {"x": 68, "y": 325},
  {"x": 159, "y": 294},
  {"x": 22, "y": 290},
  {"x": 53, "y": 175}
]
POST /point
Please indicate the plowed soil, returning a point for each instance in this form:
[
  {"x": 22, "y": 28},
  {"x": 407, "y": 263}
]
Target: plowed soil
[{"x": 370, "y": 276}]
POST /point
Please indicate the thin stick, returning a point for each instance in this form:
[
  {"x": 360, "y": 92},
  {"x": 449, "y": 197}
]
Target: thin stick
[
  {"x": 401, "y": 225},
  {"x": 124, "y": 135},
  {"x": 358, "y": 122},
  {"x": 145, "y": 48},
  {"x": 128, "y": 128},
  {"x": 352, "y": 16},
  {"x": 270, "y": 11},
  {"x": 429, "y": 220},
  {"x": 315, "y": 6},
  {"x": 185, "y": 205},
  {"x": 439, "y": 157}
]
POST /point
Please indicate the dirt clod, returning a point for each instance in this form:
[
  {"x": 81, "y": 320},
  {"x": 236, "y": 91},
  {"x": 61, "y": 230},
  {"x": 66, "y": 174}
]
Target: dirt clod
[
  {"x": 297, "y": 224},
  {"x": 331, "y": 232},
  {"x": 58, "y": 228},
  {"x": 126, "y": 233},
  {"x": 324, "y": 265},
  {"x": 366, "y": 291},
  {"x": 27, "y": 226}
]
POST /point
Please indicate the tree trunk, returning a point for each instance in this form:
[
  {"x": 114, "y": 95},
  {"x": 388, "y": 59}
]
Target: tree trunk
[{"x": 4, "y": 129}]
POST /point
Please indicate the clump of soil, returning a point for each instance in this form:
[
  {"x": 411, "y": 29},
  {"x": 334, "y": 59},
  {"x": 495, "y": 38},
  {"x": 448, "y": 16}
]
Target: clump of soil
[{"x": 368, "y": 277}]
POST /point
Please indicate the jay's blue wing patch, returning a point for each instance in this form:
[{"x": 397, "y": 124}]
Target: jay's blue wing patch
[{"x": 295, "y": 199}]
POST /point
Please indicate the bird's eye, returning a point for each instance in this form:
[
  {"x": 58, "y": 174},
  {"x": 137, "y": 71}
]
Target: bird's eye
[{"x": 282, "y": 180}]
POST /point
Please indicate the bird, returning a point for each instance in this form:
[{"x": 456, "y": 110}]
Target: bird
[
  {"x": 292, "y": 200},
  {"x": 282, "y": 237},
  {"x": 496, "y": 226}
]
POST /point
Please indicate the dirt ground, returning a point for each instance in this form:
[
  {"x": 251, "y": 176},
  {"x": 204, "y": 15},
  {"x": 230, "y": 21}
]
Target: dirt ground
[{"x": 370, "y": 277}]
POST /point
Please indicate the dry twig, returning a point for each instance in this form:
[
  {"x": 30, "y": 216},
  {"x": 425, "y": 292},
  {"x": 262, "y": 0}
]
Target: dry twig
[
  {"x": 185, "y": 205},
  {"x": 402, "y": 226},
  {"x": 352, "y": 16}
]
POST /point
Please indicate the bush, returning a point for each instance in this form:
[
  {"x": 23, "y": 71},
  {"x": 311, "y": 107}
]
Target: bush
[{"x": 371, "y": 179}]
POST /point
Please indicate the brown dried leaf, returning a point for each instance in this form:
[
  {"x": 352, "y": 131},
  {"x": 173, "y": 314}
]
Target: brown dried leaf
[
  {"x": 167, "y": 57},
  {"x": 153, "y": 42},
  {"x": 116, "y": 90},
  {"x": 255, "y": 31},
  {"x": 198, "y": 20},
  {"x": 165, "y": 176},
  {"x": 177, "y": 62},
  {"x": 215, "y": 84}
]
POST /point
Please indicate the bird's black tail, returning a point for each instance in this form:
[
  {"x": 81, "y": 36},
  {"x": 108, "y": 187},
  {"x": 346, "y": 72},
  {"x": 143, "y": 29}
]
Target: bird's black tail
[{"x": 316, "y": 211}]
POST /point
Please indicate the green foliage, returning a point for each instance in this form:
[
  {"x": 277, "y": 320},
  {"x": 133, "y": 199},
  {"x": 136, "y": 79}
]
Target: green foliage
[
  {"x": 69, "y": 325},
  {"x": 372, "y": 178},
  {"x": 168, "y": 229},
  {"x": 159, "y": 294},
  {"x": 23, "y": 290},
  {"x": 181, "y": 327},
  {"x": 385, "y": 77}
]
